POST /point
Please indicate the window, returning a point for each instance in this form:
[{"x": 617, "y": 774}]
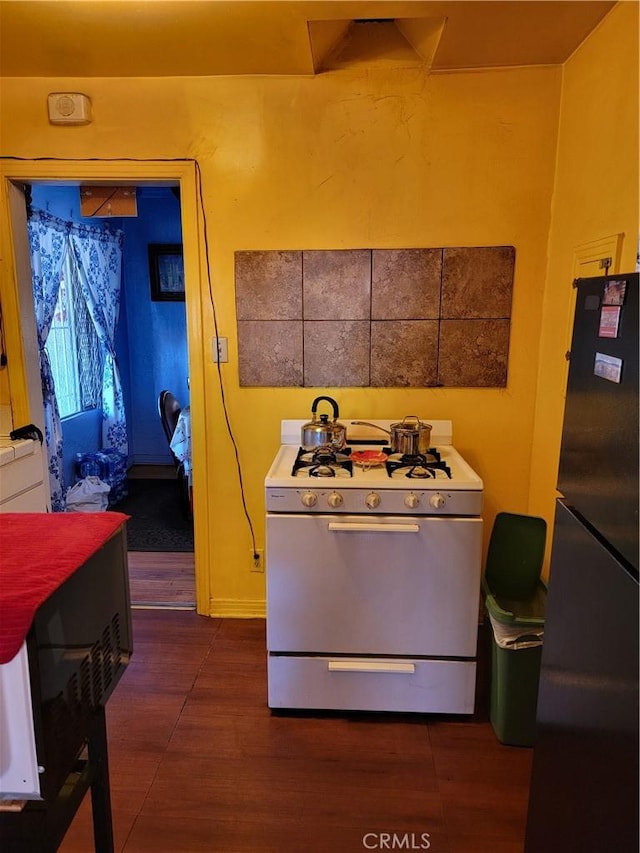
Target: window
[{"x": 74, "y": 350}]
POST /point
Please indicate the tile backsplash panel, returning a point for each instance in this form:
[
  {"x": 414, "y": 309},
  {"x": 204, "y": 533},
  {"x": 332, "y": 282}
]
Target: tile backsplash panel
[{"x": 386, "y": 318}]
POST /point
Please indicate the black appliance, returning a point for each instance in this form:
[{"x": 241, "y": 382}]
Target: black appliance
[
  {"x": 584, "y": 782},
  {"x": 78, "y": 646}
]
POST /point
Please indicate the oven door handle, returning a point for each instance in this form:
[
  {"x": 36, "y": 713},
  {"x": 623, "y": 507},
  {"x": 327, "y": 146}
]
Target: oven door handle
[
  {"x": 372, "y": 527},
  {"x": 370, "y": 666}
]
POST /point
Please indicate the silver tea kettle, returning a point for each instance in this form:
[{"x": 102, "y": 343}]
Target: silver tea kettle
[{"x": 320, "y": 431}]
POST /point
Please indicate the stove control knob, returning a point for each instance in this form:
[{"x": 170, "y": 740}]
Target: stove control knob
[
  {"x": 437, "y": 501},
  {"x": 334, "y": 500},
  {"x": 309, "y": 499},
  {"x": 372, "y": 500},
  {"x": 412, "y": 500}
]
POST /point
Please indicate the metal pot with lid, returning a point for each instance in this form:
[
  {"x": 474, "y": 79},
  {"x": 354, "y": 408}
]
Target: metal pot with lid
[
  {"x": 410, "y": 437},
  {"x": 320, "y": 431}
]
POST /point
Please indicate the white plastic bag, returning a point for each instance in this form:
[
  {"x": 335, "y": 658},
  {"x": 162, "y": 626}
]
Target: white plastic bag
[
  {"x": 516, "y": 636},
  {"x": 88, "y": 495}
]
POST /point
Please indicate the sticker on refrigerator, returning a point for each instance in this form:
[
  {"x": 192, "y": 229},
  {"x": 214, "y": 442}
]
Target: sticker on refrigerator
[
  {"x": 614, "y": 292},
  {"x": 609, "y": 321},
  {"x": 608, "y": 367}
]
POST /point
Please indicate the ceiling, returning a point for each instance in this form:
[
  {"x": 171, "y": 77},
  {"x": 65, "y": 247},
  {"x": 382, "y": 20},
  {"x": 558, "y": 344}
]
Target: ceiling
[{"x": 169, "y": 38}]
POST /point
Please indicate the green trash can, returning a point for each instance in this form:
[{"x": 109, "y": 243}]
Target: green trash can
[
  {"x": 516, "y": 654},
  {"x": 515, "y": 599}
]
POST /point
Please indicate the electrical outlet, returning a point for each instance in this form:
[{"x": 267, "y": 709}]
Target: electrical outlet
[
  {"x": 257, "y": 560},
  {"x": 220, "y": 350}
]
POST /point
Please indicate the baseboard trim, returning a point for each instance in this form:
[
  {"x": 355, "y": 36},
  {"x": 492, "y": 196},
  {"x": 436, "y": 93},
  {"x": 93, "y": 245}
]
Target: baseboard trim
[{"x": 238, "y": 608}]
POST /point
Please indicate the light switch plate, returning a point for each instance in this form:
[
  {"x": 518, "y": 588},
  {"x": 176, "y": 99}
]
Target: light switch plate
[{"x": 220, "y": 350}]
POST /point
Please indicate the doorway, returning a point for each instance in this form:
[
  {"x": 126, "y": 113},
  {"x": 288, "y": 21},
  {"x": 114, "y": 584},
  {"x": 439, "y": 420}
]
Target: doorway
[{"x": 167, "y": 576}]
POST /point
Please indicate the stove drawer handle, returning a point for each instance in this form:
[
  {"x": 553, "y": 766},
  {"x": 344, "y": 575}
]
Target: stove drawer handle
[
  {"x": 370, "y": 666},
  {"x": 363, "y": 527}
]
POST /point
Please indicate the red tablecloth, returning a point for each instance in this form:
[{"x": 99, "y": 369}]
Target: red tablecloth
[{"x": 38, "y": 552}]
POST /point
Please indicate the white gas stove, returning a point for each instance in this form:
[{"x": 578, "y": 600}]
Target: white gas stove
[
  {"x": 439, "y": 483},
  {"x": 373, "y": 574}
]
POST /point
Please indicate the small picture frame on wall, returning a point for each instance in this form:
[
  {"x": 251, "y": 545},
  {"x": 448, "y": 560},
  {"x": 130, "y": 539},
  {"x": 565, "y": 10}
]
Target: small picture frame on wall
[{"x": 166, "y": 272}]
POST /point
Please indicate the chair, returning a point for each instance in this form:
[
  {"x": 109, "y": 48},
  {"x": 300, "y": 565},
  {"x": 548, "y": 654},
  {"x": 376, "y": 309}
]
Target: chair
[{"x": 169, "y": 410}]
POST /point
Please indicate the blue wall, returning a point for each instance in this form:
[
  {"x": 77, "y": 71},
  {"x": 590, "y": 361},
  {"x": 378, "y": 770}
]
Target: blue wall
[
  {"x": 151, "y": 340},
  {"x": 157, "y": 338}
]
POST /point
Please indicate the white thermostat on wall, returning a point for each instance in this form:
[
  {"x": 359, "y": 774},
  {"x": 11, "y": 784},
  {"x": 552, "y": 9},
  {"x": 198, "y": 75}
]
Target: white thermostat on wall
[{"x": 69, "y": 108}]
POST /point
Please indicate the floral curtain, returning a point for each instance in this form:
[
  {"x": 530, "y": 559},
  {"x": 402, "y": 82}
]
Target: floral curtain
[
  {"x": 95, "y": 257},
  {"x": 98, "y": 262},
  {"x": 49, "y": 244}
]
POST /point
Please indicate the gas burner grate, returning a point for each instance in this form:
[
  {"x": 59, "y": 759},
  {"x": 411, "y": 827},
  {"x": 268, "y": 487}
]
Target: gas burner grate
[
  {"x": 321, "y": 471},
  {"x": 419, "y": 466},
  {"x": 323, "y": 462}
]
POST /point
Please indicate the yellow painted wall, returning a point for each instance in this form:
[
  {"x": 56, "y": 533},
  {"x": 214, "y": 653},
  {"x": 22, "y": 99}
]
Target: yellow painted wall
[
  {"x": 595, "y": 196},
  {"x": 374, "y": 157},
  {"x": 6, "y": 422}
]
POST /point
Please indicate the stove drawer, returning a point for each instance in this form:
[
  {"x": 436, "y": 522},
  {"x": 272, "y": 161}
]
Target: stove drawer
[{"x": 372, "y": 684}]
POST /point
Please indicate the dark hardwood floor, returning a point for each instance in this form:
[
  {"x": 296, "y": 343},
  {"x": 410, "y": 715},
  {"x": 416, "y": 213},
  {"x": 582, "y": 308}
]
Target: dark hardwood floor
[{"x": 199, "y": 763}]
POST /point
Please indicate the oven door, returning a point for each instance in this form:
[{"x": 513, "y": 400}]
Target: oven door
[
  {"x": 19, "y": 777},
  {"x": 367, "y": 585}
]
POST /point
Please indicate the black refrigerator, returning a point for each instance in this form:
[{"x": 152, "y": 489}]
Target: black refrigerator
[{"x": 584, "y": 780}]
